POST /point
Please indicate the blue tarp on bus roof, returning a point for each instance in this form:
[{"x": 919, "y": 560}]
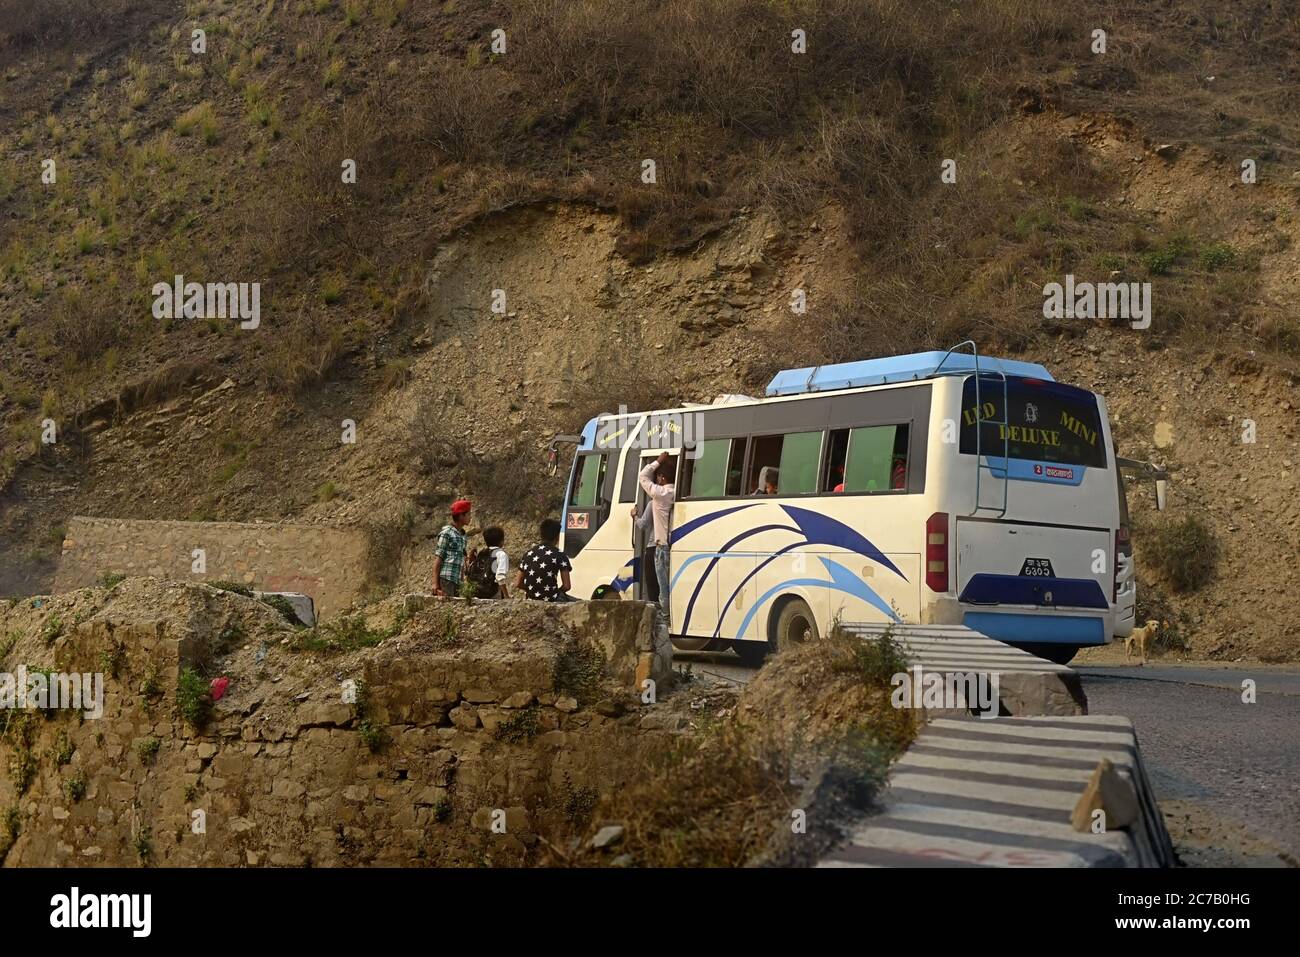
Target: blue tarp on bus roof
[{"x": 917, "y": 365}]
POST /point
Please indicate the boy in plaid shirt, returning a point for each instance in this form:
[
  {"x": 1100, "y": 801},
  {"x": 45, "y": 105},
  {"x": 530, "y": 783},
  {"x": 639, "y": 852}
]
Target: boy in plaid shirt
[{"x": 449, "y": 554}]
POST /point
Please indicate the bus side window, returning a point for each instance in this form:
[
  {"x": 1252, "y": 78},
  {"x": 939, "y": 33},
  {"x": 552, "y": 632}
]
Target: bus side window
[
  {"x": 876, "y": 459},
  {"x": 704, "y": 475},
  {"x": 800, "y": 456}
]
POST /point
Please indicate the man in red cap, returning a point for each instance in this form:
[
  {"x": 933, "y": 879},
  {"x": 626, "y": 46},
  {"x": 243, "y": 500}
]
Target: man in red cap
[{"x": 449, "y": 554}]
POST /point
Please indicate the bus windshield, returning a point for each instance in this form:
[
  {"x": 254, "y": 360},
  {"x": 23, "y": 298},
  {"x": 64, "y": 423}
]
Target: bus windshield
[{"x": 1044, "y": 421}]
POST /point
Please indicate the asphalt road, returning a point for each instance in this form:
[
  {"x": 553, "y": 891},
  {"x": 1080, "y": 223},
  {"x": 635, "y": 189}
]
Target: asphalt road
[
  {"x": 1208, "y": 752},
  {"x": 1226, "y": 773}
]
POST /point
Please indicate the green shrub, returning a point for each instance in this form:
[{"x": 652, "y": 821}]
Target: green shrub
[
  {"x": 577, "y": 671},
  {"x": 12, "y": 819},
  {"x": 343, "y": 634},
  {"x": 110, "y": 660},
  {"x": 147, "y": 749},
  {"x": 372, "y": 736},
  {"x": 192, "y": 698},
  {"x": 875, "y": 661},
  {"x": 20, "y": 733},
  {"x": 1077, "y": 208},
  {"x": 62, "y": 752},
  {"x": 1215, "y": 256},
  {"x": 1154, "y": 605},
  {"x": 576, "y": 803},
  {"x": 75, "y": 787},
  {"x": 448, "y": 634},
  {"x": 52, "y": 630},
  {"x": 1159, "y": 261},
  {"x": 150, "y": 688},
  {"x": 519, "y": 727}
]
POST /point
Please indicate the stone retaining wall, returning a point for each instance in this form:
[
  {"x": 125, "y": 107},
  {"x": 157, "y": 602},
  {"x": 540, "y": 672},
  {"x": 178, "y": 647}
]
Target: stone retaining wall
[{"x": 449, "y": 742}]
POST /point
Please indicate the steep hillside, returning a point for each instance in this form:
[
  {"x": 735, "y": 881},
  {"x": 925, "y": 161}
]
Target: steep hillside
[{"x": 522, "y": 171}]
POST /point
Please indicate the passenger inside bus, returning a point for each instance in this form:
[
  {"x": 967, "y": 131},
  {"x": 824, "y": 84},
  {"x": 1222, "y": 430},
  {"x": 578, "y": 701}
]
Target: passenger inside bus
[{"x": 767, "y": 481}]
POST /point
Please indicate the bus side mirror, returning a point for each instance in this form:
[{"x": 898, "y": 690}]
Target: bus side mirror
[{"x": 1162, "y": 489}]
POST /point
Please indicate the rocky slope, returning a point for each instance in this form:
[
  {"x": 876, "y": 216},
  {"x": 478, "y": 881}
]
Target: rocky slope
[{"x": 379, "y": 301}]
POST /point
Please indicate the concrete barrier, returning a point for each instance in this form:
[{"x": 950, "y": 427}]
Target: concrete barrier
[
  {"x": 1028, "y": 685},
  {"x": 1000, "y": 793}
]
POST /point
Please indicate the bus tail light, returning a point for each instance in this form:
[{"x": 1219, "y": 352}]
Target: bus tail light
[
  {"x": 936, "y": 552},
  {"x": 1123, "y": 546}
]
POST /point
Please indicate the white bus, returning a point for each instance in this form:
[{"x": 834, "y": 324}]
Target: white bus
[{"x": 937, "y": 487}]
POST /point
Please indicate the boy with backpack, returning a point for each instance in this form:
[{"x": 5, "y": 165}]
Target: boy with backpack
[{"x": 488, "y": 569}]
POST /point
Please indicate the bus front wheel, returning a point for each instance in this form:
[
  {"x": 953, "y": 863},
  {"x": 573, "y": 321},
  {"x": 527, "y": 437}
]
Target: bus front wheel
[{"x": 794, "y": 625}]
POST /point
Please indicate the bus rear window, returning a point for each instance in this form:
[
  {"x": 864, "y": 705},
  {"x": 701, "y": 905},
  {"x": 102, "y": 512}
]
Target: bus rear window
[{"x": 1044, "y": 422}]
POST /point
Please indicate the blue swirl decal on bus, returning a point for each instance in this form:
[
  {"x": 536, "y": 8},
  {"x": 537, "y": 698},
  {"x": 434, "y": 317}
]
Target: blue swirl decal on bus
[
  {"x": 842, "y": 580},
  {"x": 816, "y": 529}
]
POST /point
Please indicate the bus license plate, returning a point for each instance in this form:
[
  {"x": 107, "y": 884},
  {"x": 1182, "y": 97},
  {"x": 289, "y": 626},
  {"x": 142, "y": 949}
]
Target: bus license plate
[{"x": 1037, "y": 568}]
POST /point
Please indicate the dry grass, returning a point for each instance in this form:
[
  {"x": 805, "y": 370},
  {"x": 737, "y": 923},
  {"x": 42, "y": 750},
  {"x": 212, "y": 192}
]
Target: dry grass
[
  {"x": 1183, "y": 551},
  {"x": 83, "y": 324},
  {"x": 723, "y": 795},
  {"x": 306, "y": 353},
  {"x": 49, "y": 24}
]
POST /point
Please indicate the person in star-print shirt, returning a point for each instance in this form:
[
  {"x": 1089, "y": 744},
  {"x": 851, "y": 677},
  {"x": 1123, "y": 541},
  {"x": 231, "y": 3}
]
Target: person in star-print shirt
[{"x": 543, "y": 564}]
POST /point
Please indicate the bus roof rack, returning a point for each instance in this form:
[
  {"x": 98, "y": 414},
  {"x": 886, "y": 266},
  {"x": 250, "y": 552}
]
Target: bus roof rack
[{"x": 906, "y": 368}]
